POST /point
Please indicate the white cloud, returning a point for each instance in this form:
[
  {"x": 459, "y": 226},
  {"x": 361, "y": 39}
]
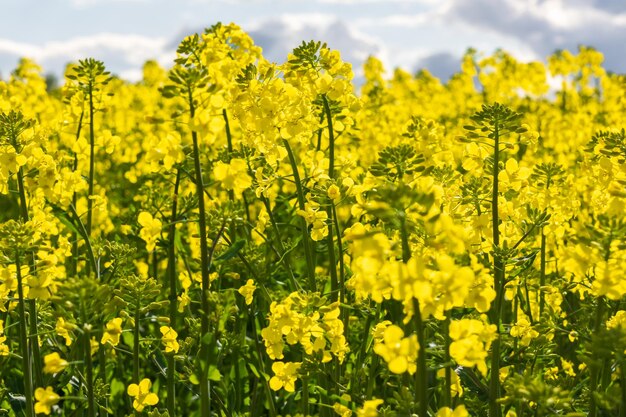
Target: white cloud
[
  {"x": 395, "y": 20},
  {"x": 81, "y": 4},
  {"x": 357, "y": 2},
  {"x": 547, "y": 25},
  {"x": 278, "y": 36},
  {"x": 121, "y": 53}
]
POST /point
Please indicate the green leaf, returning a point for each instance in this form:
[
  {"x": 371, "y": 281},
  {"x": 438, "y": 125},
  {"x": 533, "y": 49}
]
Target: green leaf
[
  {"x": 214, "y": 374},
  {"x": 232, "y": 251}
]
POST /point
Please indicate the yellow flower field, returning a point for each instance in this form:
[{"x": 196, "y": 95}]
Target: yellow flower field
[{"x": 237, "y": 237}]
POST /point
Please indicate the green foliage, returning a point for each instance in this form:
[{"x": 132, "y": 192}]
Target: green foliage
[
  {"x": 394, "y": 162},
  {"x": 12, "y": 125},
  {"x": 306, "y": 56}
]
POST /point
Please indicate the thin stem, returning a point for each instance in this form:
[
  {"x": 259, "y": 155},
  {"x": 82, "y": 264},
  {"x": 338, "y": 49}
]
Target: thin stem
[
  {"x": 91, "y": 401},
  {"x": 83, "y": 231},
  {"x": 331, "y": 138},
  {"x": 305, "y": 395},
  {"x": 542, "y": 276},
  {"x": 498, "y": 269},
  {"x": 284, "y": 257},
  {"x": 264, "y": 381},
  {"x": 421, "y": 376},
  {"x": 204, "y": 265},
  {"x": 447, "y": 395},
  {"x": 229, "y": 138},
  {"x": 229, "y": 144},
  {"x": 28, "y": 383},
  {"x": 173, "y": 297},
  {"x": 622, "y": 407},
  {"x": 308, "y": 253},
  {"x": 74, "y": 261},
  {"x": 595, "y": 372},
  {"x": 136, "y": 346},
  {"x": 92, "y": 160},
  {"x": 32, "y": 306}
]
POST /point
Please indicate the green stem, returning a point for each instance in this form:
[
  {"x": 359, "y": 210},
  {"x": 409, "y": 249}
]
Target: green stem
[
  {"x": 173, "y": 297},
  {"x": 306, "y": 239},
  {"x": 595, "y": 371},
  {"x": 334, "y": 285},
  {"x": 421, "y": 376},
  {"x": 229, "y": 144},
  {"x": 32, "y": 306},
  {"x": 305, "y": 395},
  {"x": 447, "y": 395},
  {"x": 92, "y": 161},
  {"x": 74, "y": 261},
  {"x": 28, "y": 383},
  {"x": 229, "y": 138},
  {"x": 494, "y": 382},
  {"x": 34, "y": 342},
  {"x": 542, "y": 276},
  {"x": 136, "y": 345},
  {"x": 332, "y": 263},
  {"x": 342, "y": 269},
  {"x": 622, "y": 407},
  {"x": 83, "y": 231},
  {"x": 91, "y": 401},
  {"x": 204, "y": 265},
  {"x": 331, "y": 138},
  {"x": 264, "y": 381},
  {"x": 284, "y": 256}
]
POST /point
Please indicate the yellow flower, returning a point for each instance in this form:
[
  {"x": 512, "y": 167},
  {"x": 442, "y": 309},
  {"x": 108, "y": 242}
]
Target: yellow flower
[
  {"x": 512, "y": 176},
  {"x": 470, "y": 341},
  {"x": 334, "y": 193},
  {"x": 316, "y": 218},
  {"x": 142, "y": 394},
  {"x": 46, "y": 398},
  {"x": 285, "y": 375},
  {"x": 524, "y": 331},
  {"x": 112, "y": 332},
  {"x": 150, "y": 229},
  {"x": 369, "y": 408},
  {"x": 53, "y": 363},
  {"x": 342, "y": 410},
  {"x": 4, "y": 349},
  {"x": 460, "y": 411},
  {"x": 233, "y": 176},
  {"x": 63, "y": 329},
  {"x": 247, "y": 291},
  {"x": 551, "y": 373},
  {"x": 456, "y": 389},
  {"x": 398, "y": 351},
  {"x": 169, "y": 339}
]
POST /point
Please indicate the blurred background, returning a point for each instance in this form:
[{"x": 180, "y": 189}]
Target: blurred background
[{"x": 412, "y": 34}]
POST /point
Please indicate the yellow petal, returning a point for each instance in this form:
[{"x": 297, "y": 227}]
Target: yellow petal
[
  {"x": 275, "y": 383},
  {"x": 133, "y": 390},
  {"x": 151, "y": 399}
]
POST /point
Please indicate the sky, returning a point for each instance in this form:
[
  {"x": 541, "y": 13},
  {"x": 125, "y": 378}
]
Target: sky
[{"x": 411, "y": 34}]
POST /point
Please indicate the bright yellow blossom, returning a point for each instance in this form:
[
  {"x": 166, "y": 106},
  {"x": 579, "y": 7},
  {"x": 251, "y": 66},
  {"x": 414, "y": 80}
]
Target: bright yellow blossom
[
  {"x": 53, "y": 363},
  {"x": 142, "y": 394},
  {"x": 233, "y": 176},
  {"x": 150, "y": 229},
  {"x": 247, "y": 291},
  {"x": 398, "y": 351},
  {"x": 169, "y": 339},
  {"x": 369, "y": 409},
  {"x": 285, "y": 375},
  {"x": 112, "y": 332},
  {"x": 45, "y": 398}
]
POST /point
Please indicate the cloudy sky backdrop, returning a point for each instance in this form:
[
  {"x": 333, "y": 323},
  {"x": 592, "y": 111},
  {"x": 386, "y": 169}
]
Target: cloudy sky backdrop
[{"x": 412, "y": 34}]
